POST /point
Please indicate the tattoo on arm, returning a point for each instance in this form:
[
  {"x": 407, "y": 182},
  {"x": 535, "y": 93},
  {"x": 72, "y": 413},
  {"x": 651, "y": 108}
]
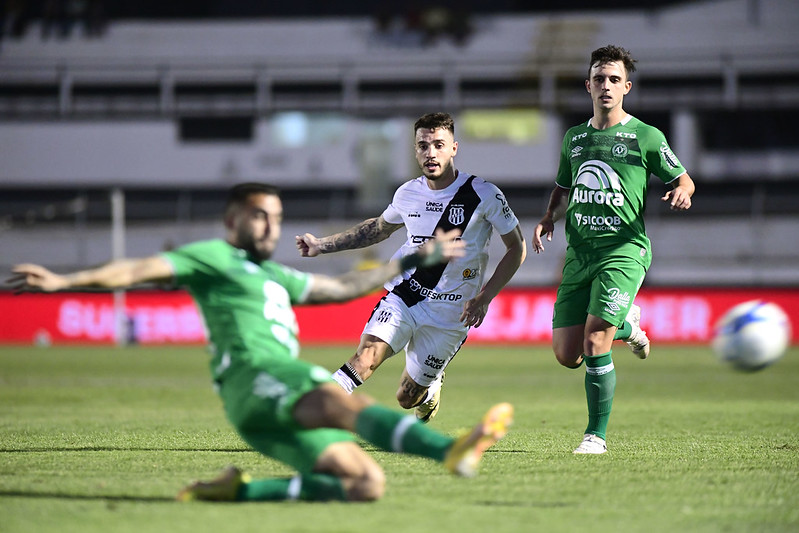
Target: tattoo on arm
[{"x": 364, "y": 234}]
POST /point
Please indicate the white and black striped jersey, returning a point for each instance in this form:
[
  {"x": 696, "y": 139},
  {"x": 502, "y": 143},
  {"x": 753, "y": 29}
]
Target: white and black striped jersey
[{"x": 471, "y": 204}]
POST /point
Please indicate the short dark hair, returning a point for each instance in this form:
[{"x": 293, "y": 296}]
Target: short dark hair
[
  {"x": 435, "y": 121},
  {"x": 238, "y": 194},
  {"x": 610, "y": 54}
]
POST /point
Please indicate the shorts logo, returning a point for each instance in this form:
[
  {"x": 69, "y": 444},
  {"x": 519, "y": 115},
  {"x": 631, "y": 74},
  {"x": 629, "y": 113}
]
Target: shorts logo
[
  {"x": 470, "y": 273},
  {"x": 618, "y": 300},
  {"x": 456, "y": 214},
  {"x": 266, "y": 386},
  {"x": 383, "y": 316},
  {"x": 434, "y": 362}
]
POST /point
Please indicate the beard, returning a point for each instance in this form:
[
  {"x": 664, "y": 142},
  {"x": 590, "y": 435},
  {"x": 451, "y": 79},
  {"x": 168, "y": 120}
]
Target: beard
[{"x": 249, "y": 245}]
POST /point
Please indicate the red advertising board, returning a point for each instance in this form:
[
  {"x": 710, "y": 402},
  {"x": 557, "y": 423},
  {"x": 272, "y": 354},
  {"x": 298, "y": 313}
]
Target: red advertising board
[{"x": 674, "y": 315}]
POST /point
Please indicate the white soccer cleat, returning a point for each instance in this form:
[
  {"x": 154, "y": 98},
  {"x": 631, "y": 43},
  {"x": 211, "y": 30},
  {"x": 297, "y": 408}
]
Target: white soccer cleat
[
  {"x": 591, "y": 445},
  {"x": 427, "y": 410},
  {"x": 638, "y": 341}
]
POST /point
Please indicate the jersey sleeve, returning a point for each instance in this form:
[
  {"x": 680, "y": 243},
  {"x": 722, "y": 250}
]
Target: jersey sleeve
[
  {"x": 496, "y": 208},
  {"x": 659, "y": 159},
  {"x": 392, "y": 214},
  {"x": 564, "y": 177},
  {"x": 296, "y": 283},
  {"x": 193, "y": 263}
]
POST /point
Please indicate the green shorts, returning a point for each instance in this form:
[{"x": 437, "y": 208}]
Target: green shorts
[
  {"x": 603, "y": 286},
  {"x": 258, "y": 401}
]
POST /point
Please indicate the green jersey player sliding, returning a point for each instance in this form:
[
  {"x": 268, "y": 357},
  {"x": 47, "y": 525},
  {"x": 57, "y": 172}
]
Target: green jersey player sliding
[
  {"x": 283, "y": 407},
  {"x": 600, "y": 192}
]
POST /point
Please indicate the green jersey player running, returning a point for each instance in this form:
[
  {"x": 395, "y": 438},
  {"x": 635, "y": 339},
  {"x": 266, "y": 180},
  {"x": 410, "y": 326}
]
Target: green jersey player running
[
  {"x": 283, "y": 407},
  {"x": 600, "y": 192}
]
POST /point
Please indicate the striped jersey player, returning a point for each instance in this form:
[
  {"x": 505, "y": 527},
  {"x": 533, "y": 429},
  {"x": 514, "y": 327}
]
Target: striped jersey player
[{"x": 428, "y": 311}]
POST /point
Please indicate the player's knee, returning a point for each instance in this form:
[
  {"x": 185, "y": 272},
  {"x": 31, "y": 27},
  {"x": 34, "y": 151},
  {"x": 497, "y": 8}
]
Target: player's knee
[
  {"x": 405, "y": 401},
  {"x": 567, "y": 359}
]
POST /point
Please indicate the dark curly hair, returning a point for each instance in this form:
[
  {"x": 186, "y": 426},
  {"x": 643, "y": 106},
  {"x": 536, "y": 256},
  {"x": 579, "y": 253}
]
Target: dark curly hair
[{"x": 612, "y": 53}]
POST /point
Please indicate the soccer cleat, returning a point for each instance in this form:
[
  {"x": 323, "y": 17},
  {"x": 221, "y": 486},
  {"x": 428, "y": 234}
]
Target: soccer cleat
[
  {"x": 464, "y": 455},
  {"x": 591, "y": 445},
  {"x": 427, "y": 410},
  {"x": 638, "y": 341},
  {"x": 224, "y": 488}
]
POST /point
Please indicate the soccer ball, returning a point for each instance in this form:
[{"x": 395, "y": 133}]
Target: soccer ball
[{"x": 752, "y": 335}]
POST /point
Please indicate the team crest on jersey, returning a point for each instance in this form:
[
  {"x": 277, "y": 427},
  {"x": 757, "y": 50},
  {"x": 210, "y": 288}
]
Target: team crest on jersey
[
  {"x": 619, "y": 150},
  {"x": 470, "y": 273},
  {"x": 456, "y": 214}
]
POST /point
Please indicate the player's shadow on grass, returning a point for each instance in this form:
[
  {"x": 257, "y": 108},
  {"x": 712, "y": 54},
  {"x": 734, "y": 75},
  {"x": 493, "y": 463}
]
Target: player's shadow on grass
[
  {"x": 87, "y": 497},
  {"x": 120, "y": 449}
]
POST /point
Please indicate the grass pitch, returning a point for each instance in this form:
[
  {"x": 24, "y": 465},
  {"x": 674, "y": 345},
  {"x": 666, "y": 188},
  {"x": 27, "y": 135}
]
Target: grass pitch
[{"x": 101, "y": 439}]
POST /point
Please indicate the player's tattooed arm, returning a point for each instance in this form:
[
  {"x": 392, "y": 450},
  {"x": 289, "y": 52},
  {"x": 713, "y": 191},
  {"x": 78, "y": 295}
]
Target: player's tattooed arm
[
  {"x": 365, "y": 234},
  {"x": 444, "y": 247}
]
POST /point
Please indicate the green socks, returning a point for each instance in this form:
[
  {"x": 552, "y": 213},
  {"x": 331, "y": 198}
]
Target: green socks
[
  {"x": 623, "y": 332},
  {"x": 600, "y": 384},
  {"x": 394, "y": 431},
  {"x": 308, "y": 487},
  {"x": 388, "y": 429}
]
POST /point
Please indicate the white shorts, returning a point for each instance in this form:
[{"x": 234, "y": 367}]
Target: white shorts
[{"x": 429, "y": 346}]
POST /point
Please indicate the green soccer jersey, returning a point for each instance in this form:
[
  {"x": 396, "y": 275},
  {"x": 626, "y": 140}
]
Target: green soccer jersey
[
  {"x": 246, "y": 304},
  {"x": 607, "y": 172}
]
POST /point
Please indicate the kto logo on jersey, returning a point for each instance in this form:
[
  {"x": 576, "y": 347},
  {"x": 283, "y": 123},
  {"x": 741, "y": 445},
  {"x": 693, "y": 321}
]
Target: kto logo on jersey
[
  {"x": 600, "y": 185},
  {"x": 457, "y": 214},
  {"x": 617, "y": 300},
  {"x": 668, "y": 155},
  {"x": 580, "y": 136},
  {"x": 435, "y": 207}
]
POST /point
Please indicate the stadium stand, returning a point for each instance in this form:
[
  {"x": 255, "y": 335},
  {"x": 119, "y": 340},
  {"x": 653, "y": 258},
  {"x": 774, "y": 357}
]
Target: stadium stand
[{"x": 173, "y": 109}]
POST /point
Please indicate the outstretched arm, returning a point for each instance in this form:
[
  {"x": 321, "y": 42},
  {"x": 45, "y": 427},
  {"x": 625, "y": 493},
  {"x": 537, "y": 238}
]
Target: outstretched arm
[
  {"x": 474, "y": 310},
  {"x": 324, "y": 289},
  {"x": 365, "y": 234},
  {"x": 119, "y": 273},
  {"x": 555, "y": 211},
  {"x": 679, "y": 197}
]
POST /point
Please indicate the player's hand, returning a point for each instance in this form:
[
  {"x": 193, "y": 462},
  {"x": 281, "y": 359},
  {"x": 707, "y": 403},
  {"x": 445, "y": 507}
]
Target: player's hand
[
  {"x": 544, "y": 228},
  {"x": 34, "y": 277},
  {"x": 443, "y": 248},
  {"x": 678, "y": 198},
  {"x": 308, "y": 245},
  {"x": 474, "y": 311}
]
